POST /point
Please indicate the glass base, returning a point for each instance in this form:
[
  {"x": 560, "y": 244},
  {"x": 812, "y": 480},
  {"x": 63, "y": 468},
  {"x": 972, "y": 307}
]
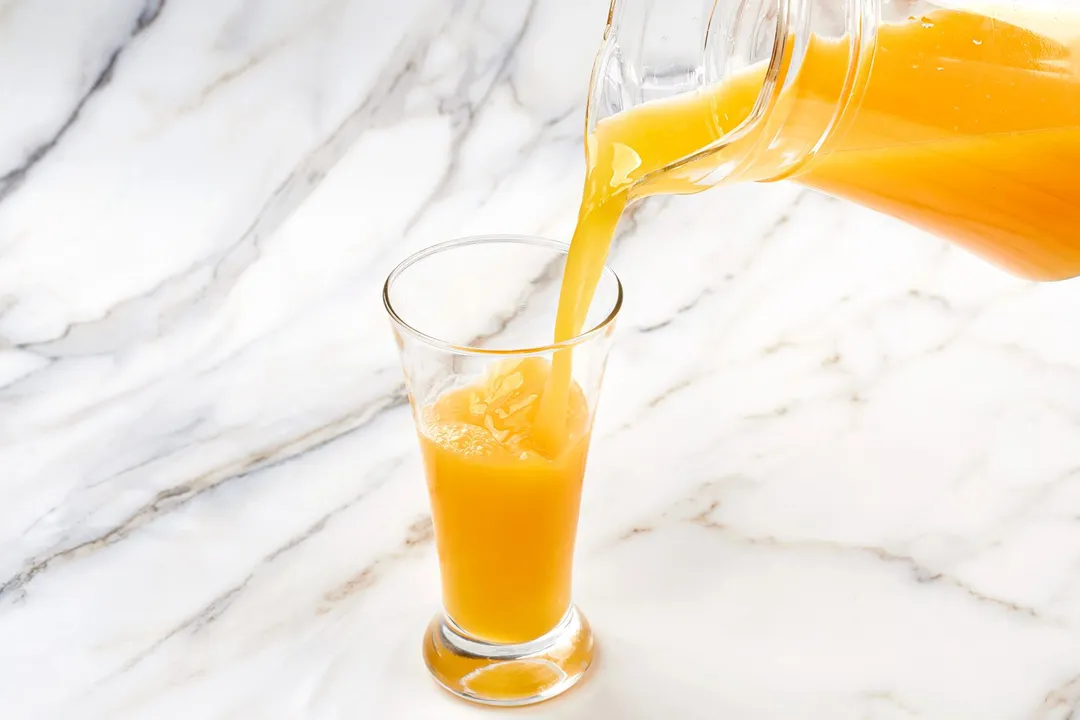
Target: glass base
[{"x": 508, "y": 675}]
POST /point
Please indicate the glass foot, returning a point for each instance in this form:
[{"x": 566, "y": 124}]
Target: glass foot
[{"x": 507, "y": 675}]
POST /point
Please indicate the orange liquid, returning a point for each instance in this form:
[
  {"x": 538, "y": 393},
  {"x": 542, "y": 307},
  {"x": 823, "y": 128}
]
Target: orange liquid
[{"x": 505, "y": 515}]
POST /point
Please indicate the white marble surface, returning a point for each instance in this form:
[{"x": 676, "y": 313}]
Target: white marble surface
[{"x": 836, "y": 473}]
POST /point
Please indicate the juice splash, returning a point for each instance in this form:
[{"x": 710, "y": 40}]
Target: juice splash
[{"x": 505, "y": 514}]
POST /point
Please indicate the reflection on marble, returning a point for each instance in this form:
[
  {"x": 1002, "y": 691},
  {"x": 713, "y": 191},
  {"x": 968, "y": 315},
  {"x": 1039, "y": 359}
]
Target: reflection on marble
[{"x": 836, "y": 473}]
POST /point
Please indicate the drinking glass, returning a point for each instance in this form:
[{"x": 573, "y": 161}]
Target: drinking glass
[{"x": 473, "y": 320}]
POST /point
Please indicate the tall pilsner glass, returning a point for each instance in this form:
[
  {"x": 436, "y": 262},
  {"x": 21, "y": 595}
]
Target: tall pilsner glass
[{"x": 473, "y": 319}]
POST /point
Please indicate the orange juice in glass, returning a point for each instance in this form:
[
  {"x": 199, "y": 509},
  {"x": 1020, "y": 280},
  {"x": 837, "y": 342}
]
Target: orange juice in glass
[{"x": 473, "y": 319}]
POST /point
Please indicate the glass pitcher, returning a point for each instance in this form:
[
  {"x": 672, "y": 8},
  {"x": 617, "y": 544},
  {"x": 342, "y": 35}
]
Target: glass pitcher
[{"x": 962, "y": 118}]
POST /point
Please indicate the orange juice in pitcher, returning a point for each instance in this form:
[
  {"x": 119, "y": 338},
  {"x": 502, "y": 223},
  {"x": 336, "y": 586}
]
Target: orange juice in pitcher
[{"x": 959, "y": 118}]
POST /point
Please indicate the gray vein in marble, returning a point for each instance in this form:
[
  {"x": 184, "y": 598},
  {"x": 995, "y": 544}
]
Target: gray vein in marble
[
  {"x": 706, "y": 293},
  {"x": 1026, "y": 355},
  {"x": 226, "y": 78},
  {"x": 125, "y": 323},
  {"x": 548, "y": 274},
  {"x": 631, "y": 221},
  {"x": 703, "y": 295},
  {"x": 885, "y": 697},
  {"x": 382, "y": 107},
  {"x": 781, "y": 221},
  {"x": 1036, "y": 498},
  {"x": 918, "y": 571},
  {"x": 171, "y": 499},
  {"x": 465, "y": 113},
  {"x": 182, "y": 436},
  {"x": 1061, "y": 703},
  {"x": 217, "y": 607},
  {"x": 856, "y": 394},
  {"x": 419, "y": 533},
  {"x": 13, "y": 179}
]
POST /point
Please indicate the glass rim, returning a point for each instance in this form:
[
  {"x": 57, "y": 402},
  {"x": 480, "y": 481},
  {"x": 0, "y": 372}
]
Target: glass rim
[{"x": 512, "y": 239}]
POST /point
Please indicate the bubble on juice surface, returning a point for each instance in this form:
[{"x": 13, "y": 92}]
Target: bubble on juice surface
[
  {"x": 502, "y": 399},
  {"x": 500, "y": 408},
  {"x": 464, "y": 439}
]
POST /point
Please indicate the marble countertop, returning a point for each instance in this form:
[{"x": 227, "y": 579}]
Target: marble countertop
[{"x": 836, "y": 472}]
